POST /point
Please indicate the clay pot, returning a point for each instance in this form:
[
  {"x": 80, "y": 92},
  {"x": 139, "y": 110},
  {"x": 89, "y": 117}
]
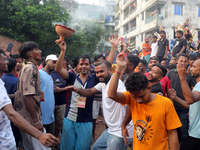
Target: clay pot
[{"x": 63, "y": 31}]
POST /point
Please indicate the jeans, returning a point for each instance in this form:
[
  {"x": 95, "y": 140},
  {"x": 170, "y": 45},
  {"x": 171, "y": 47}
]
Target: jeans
[
  {"x": 109, "y": 141},
  {"x": 183, "y": 131}
]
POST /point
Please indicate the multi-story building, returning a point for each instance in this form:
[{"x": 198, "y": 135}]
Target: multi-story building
[
  {"x": 103, "y": 14},
  {"x": 136, "y": 19}
]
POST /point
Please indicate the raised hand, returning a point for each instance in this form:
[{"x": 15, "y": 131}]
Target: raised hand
[
  {"x": 181, "y": 69},
  {"x": 171, "y": 93},
  {"x": 48, "y": 140},
  {"x": 61, "y": 44},
  {"x": 114, "y": 40},
  {"x": 120, "y": 60}
]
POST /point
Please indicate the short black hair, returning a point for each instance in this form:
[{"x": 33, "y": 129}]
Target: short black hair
[
  {"x": 11, "y": 64},
  {"x": 172, "y": 66},
  {"x": 2, "y": 51},
  {"x": 164, "y": 70},
  {"x": 154, "y": 58},
  {"x": 155, "y": 37},
  {"x": 107, "y": 63},
  {"x": 134, "y": 60},
  {"x": 15, "y": 56},
  {"x": 136, "y": 82},
  {"x": 74, "y": 62},
  {"x": 188, "y": 36},
  {"x": 180, "y": 32},
  {"x": 162, "y": 32},
  {"x": 26, "y": 47},
  {"x": 66, "y": 59},
  {"x": 184, "y": 55},
  {"x": 84, "y": 57},
  {"x": 96, "y": 57},
  {"x": 144, "y": 62},
  {"x": 192, "y": 56}
]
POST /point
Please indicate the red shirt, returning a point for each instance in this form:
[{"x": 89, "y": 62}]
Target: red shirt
[{"x": 165, "y": 83}]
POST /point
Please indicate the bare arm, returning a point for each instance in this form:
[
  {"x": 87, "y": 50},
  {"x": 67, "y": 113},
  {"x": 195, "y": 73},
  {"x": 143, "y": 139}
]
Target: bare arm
[
  {"x": 157, "y": 51},
  {"x": 61, "y": 71},
  {"x": 126, "y": 121},
  {"x": 11, "y": 96},
  {"x": 83, "y": 92},
  {"x": 182, "y": 50},
  {"x": 30, "y": 105},
  {"x": 190, "y": 97},
  {"x": 166, "y": 48},
  {"x": 112, "y": 91},
  {"x": 172, "y": 95},
  {"x": 173, "y": 139},
  {"x": 114, "y": 42},
  {"x": 46, "y": 139}
]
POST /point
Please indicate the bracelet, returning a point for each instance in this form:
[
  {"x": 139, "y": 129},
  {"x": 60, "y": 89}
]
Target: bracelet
[
  {"x": 118, "y": 72},
  {"x": 36, "y": 123}
]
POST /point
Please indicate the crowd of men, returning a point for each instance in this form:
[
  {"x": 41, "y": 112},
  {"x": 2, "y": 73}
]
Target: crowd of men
[{"x": 147, "y": 104}]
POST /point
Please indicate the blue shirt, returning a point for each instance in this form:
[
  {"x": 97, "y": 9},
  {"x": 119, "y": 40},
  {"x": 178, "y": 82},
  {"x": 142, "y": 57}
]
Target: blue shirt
[
  {"x": 194, "y": 116},
  {"x": 60, "y": 98},
  {"x": 74, "y": 113},
  {"x": 10, "y": 82},
  {"x": 49, "y": 102}
]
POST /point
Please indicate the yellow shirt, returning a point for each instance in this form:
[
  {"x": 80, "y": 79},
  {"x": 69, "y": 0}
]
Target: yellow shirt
[{"x": 151, "y": 122}]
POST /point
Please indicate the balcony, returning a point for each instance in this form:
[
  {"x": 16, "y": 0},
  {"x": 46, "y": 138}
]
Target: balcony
[{"x": 149, "y": 19}]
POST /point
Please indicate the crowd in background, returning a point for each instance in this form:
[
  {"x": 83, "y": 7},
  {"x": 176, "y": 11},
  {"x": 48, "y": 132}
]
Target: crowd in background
[{"x": 149, "y": 102}]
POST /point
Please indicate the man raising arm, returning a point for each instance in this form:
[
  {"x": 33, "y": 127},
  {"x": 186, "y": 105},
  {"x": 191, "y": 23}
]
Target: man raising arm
[{"x": 146, "y": 109}]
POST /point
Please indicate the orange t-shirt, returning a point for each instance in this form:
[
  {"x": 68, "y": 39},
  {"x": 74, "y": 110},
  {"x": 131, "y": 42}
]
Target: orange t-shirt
[
  {"x": 151, "y": 122},
  {"x": 148, "y": 47}
]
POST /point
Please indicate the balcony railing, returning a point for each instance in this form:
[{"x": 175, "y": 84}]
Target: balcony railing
[{"x": 151, "y": 18}]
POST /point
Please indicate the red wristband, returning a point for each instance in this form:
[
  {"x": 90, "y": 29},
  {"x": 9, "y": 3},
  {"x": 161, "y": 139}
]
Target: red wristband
[{"x": 118, "y": 72}]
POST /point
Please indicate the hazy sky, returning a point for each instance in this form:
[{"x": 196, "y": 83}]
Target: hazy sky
[{"x": 96, "y": 2}]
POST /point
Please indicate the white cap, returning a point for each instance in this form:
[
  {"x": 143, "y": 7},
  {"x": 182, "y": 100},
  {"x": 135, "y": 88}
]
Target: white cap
[{"x": 51, "y": 57}]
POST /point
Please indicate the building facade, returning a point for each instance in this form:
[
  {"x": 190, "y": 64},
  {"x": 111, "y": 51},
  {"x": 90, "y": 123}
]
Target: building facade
[
  {"x": 103, "y": 14},
  {"x": 136, "y": 19}
]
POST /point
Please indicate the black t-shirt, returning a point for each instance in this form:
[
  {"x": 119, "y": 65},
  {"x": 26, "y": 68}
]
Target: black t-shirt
[
  {"x": 178, "y": 45},
  {"x": 162, "y": 46},
  {"x": 157, "y": 88},
  {"x": 176, "y": 85},
  {"x": 60, "y": 98}
]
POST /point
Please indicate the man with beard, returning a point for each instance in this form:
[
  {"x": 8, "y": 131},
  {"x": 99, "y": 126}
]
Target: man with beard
[
  {"x": 181, "y": 110},
  {"x": 165, "y": 82},
  {"x": 19, "y": 62},
  {"x": 192, "y": 141},
  {"x": 77, "y": 126},
  {"x": 153, "y": 116},
  {"x": 154, "y": 77},
  {"x": 113, "y": 112},
  {"x": 47, "y": 88}
]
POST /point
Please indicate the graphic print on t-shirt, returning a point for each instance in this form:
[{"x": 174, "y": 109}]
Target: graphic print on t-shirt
[
  {"x": 177, "y": 43},
  {"x": 143, "y": 131}
]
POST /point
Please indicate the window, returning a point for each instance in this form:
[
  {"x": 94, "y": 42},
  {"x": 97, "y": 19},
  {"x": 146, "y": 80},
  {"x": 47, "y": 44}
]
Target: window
[
  {"x": 133, "y": 7},
  {"x": 142, "y": 37},
  {"x": 126, "y": 13},
  {"x": 178, "y": 10},
  {"x": 142, "y": 16},
  {"x": 198, "y": 11},
  {"x": 126, "y": 29},
  {"x": 133, "y": 25}
]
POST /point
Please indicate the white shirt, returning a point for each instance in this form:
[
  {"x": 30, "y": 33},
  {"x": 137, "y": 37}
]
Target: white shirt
[
  {"x": 154, "y": 48},
  {"x": 114, "y": 112},
  {"x": 7, "y": 140}
]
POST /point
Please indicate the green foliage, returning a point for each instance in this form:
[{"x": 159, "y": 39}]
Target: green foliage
[{"x": 28, "y": 20}]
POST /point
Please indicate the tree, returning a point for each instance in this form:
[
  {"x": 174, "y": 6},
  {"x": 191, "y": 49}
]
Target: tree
[{"x": 28, "y": 20}]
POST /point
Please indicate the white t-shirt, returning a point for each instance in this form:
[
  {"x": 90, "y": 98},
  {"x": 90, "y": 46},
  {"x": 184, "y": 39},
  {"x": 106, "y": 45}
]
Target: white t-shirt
[
  {"x": 114, "y": 112},
  {"x": 7, "y": 140},
  {"x": 154, "y": 48}
]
